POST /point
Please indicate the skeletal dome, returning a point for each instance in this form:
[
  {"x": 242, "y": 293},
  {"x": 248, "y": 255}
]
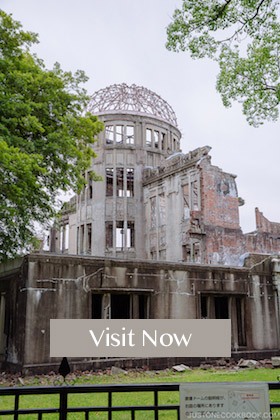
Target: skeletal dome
[{"x": 131, "y": 99}]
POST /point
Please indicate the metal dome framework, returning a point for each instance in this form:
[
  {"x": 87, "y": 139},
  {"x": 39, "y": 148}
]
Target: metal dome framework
[{"x": 121, "y": 97}]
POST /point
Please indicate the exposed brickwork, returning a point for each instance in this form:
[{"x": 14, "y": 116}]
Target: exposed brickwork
[{"x": 208, "y": 210}]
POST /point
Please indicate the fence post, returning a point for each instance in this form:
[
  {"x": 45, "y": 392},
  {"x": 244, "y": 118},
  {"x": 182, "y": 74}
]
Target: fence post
[{"x": 63, "y": 404}]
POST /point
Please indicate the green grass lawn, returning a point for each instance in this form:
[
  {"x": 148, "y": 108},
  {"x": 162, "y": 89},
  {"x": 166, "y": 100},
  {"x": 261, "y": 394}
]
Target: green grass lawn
[{"x": 145, "y": 398}]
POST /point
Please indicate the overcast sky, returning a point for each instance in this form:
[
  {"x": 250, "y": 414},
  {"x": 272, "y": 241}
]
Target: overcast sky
[{"x": 118, "y": 41}]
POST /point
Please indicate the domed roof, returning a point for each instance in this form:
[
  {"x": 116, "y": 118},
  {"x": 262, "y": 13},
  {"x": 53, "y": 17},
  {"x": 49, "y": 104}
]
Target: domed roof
[{"x": 133, "y": 99}]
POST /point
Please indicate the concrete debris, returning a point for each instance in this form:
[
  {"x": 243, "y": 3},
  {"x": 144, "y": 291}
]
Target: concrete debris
[
  {"x": 181, "y": 368},
  {"x": 117, "y": 371},
  {"x": 275, "y": 361},
  {"x": 247, "y": 363}
]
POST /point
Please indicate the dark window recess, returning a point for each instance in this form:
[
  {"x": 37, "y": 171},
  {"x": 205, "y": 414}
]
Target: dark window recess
[
  {"x": 130, "y": 235},
  {"x": 109, "y": 182},
  {"x": 130, "y": 182},
  {"x": 109, "y": 134},
  {"x": 96, "y": 306},
  {"x": 203, "y": 307},
  {"x": 240, "y": 322},
  {"x": 89, "y": 241},
  {"x": 120, "y": 306},
  {"x": 109, "y": 234},
  {"x": 120, "y": 183},
  {"x": 221, "y": 307},
  {"x": 143, "y": 307},
  {"x": 90, "y": 191}
]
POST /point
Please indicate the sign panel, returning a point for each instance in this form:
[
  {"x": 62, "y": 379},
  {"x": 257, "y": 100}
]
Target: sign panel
[
  {"x": 140, "y": 337},
  {"x": 224, "y": 401}
]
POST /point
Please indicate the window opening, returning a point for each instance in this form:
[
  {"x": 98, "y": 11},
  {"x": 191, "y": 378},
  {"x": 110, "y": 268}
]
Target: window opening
[
  {"x": 119, "y": 134},
  {"x": 156, "y": 139},
  {"x": 120, "y": 306},
  {"x": 195, "y": 198},
  {"x": 162, "y": 139},
  {"x": 78, "y": 239},
  {"x": 120, "y": 182},
  {"x": 82, "y": 230},
  {"x": 221, "y": 307},
  {"x": 90, "y": 189},
  {"x": 89, "y": 241},
  {"x": 130, "y": 182},
  {"x": 120, "y": 236},
  {"x": 109, "y": 234},
  {"x": 109, "y": 134},
  {"x": 66, "y": 236},
  {"x": 143, "y": 306},
  {"x": 203, "y": 307},
  {"x": 109, "y": 182},
  {"x": 129, "y": 134},
  {"x": 130, "y": 235},
  {"x": 148, "y": 137},
  {"x": 240, "y": 321},
  {"x": 96, "y": 305}
]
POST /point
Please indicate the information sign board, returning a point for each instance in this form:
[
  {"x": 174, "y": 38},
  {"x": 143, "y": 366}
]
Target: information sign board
[{"x": 224, "y": 401}]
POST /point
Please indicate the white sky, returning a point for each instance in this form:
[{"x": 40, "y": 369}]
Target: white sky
[{"x": 118, "y": 41}]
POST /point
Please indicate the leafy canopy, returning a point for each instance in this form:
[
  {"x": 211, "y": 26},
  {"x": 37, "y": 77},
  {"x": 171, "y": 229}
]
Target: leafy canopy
[
  {"x": 45, "y": 139},
  {"x": 243, "y": 36}
]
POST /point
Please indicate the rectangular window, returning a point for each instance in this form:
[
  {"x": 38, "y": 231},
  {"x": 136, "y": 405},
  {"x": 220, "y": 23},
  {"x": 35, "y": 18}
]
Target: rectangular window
[
  {"x": 120, "y": 235},
  {"x": 119, "y": 134},
  {"x": 221, "y": 307},
  {"x": 109, "y": 134},
  {"x": 89, "y": 236},
  {"x": 203, "y": 307},
  {"x": 109, "y": 234},
  {"x": 130, "y": 182},
  {"x": 120, "y": 306},
  {"x": 90, "y": 188},
  {"x": 143, "y": 306},
  {"x": 162, "y": 139},
  {"x": 109, "y": 182},
  {"x": 130, "y": 235},
  {"x": 148, "y": 137},
  {"x": 240, "y": 321},
  {"x": 82, "y": 237},
  {"x": 129, "y": 134},
  {"x": 96, "y": 301},
  {"x": 120, "y": 182},
  {"x": 78, "y": 240},
  {"x": 156, "y": 139}
]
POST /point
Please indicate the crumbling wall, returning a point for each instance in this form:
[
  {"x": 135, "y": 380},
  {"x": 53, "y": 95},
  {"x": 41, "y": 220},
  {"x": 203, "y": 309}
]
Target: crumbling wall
[
  {"x": 266, "y": 237},
  {"x": 62, "y": 287}
]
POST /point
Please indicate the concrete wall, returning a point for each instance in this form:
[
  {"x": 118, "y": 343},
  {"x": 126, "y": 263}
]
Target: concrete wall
[{"x": 49, "y": 286}]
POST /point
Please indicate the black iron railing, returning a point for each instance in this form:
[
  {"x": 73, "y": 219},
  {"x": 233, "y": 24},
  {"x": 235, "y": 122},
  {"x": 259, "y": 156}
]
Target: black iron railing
[{"x": 63, "y": 407}]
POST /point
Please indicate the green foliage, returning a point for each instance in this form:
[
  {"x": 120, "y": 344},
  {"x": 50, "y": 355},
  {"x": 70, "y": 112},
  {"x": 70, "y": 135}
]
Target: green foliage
[
  {"x": 45, "y": 139},
  {"x": 243, "y": 36}
]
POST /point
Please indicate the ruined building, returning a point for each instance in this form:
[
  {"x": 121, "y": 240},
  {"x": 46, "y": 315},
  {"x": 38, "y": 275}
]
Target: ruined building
[
  {"x": 155, "y": 202},
  {"x": 157, "y": 237}
]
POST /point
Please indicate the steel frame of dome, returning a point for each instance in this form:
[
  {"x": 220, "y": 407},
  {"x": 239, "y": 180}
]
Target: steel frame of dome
[{"x": 138, "y": 99}]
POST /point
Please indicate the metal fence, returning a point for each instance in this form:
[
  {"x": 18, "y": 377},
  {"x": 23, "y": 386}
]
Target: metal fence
[{"x": 64, "y": 408}]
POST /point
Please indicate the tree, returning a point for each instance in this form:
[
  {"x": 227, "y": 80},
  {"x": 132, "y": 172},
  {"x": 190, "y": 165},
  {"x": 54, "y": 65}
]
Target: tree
[
  {"x": 243, "y": 36},
  {"x": 45, "y": 137}
]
